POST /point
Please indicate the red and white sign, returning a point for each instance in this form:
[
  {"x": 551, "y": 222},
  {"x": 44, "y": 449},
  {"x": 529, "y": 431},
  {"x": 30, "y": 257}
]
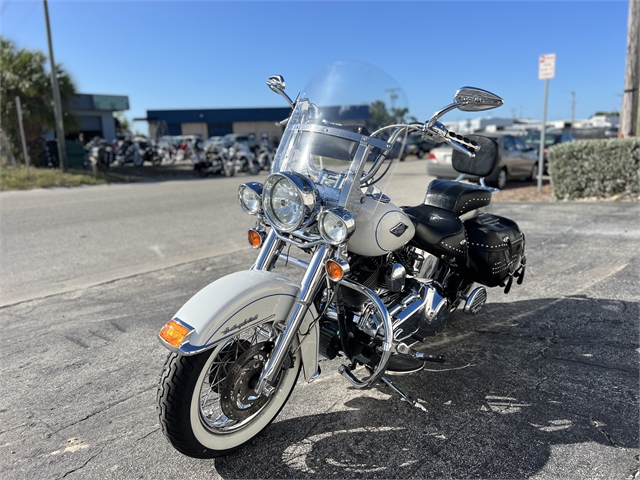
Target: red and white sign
[{"x": 547, "y": 66}]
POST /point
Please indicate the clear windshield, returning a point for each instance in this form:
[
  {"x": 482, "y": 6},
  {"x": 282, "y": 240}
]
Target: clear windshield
[
  {"x": 315, "y": 154},
  {"x": 342, "y": 102}
]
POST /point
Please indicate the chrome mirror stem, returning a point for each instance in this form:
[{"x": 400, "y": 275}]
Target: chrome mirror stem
[{"x": 277, "y": 84}]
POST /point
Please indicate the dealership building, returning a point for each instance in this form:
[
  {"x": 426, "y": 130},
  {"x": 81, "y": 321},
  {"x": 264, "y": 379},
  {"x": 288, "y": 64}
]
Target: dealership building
[
  {"x": 95, "y": 113},
  {"x": 218, "y": 122}
]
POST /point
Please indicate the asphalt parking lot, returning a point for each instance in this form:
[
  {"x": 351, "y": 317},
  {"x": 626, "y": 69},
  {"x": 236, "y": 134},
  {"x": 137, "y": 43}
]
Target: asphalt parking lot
[{"x": 542, "y": 383}]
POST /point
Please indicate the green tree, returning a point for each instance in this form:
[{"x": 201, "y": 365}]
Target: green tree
[
  {"x": 123, "y": 125},
  {"x": 23, "y": 74},
  {"x": 379, "y": 117}
]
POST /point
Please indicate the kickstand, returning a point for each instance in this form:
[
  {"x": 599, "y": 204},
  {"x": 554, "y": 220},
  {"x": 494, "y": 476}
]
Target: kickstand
[{"x": 403, "y": 395}]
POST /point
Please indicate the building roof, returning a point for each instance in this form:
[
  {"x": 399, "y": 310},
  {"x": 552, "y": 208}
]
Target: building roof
[
  {"x": 91, "y": 101},
  {"x": 230, "y": 115}
]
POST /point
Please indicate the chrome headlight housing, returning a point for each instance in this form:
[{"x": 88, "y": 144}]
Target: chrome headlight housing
[
  {"x": 250, "y": 197},
  {"x": 289, "y": 201},
  {"x": 336, "y": 225}
]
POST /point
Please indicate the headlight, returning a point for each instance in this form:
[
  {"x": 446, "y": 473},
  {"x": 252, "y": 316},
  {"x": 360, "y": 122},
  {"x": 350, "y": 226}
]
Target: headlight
[
  {"x": 250, "y": 197},
  {"x": 289, "y": 200},
  {"x": 336, "y": 225}
]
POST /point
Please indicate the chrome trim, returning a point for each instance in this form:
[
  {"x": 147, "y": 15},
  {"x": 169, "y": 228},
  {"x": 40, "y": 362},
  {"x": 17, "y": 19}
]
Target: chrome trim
[
  {"x": 343, "y": 214},
  {"x": 256, "y": 187},
  {"x": 277, "y": 84},
  {"x": 387, "y": 345},
  {"x": 312, "y": 279},
  {"x": 270, "y": 248},
  {"x": 312, "y": 242},
  {"x": 296, "y": 262},
  {"x": 475, "y": 301},
  {"x": 344, "y": 265},
  {"x": 262, "y": 234},
  {"x": 307, "y": 191},
  {"x": 338, "y": 132},
  {"x": 476, "y": 99}
]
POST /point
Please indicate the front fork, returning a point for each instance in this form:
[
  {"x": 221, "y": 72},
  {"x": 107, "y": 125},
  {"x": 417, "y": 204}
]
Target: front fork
[{"x": 313, "y": 278}]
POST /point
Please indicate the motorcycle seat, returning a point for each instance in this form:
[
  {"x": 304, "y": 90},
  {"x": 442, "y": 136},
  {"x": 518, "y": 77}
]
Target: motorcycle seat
[
  {"x": 456, "y": 197},
  {"x": 438, "y": 231}
]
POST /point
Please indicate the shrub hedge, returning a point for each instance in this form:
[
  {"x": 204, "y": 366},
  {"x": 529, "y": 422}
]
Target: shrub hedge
[{"x": 595, "y": 168}]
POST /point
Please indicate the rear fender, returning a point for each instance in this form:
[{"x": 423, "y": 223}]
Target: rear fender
[{"x": 241, "y": 301}]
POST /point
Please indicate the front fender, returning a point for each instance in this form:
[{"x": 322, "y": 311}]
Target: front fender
[{"x": 240, "y": 301}]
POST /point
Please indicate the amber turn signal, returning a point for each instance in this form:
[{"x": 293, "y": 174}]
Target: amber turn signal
[
  {"x": 174, "y": 333},
  {"x": 334, "y": 270},
  {"x": 255, "y": 238}
]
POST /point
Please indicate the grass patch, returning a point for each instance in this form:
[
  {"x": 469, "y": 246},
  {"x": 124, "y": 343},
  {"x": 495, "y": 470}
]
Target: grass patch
[{"x": 16, "y": 178}]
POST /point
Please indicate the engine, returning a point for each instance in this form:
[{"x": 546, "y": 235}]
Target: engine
[{"x": 416, "y": 306}]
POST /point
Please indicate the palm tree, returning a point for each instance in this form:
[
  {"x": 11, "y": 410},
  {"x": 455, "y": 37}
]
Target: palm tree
[{"x": 23, "y": 74}]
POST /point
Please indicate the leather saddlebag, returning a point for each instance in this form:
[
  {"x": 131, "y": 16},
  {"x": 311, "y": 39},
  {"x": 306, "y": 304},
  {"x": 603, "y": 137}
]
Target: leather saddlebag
[{"x": 496, "y": 249}]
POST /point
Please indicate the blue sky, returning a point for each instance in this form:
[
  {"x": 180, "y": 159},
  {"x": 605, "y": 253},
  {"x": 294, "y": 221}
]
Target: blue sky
[{"x": 215, "y": 54}]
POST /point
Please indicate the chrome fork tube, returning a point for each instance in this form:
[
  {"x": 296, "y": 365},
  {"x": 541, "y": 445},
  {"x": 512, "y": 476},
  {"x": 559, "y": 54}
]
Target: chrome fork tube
[
  {"x": 269, "y": 251},
  {"x": 312, "y": 279}
]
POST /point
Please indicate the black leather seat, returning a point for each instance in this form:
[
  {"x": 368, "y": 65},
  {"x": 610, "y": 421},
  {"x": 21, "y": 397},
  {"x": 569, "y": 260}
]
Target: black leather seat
[
  {"x": 457, "y": 197},
  {"x": 438, "y": 231}
]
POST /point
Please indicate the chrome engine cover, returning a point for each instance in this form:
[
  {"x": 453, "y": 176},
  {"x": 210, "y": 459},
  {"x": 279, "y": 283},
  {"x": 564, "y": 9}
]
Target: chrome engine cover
[{"x": 423, "y": 311}]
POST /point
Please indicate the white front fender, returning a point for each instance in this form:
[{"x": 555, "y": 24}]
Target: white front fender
[{"x": 240, "y": 301}]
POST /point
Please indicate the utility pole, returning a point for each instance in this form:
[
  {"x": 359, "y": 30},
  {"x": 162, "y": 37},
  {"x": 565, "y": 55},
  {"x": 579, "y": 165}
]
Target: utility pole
[
  {"x": 57, "y": 103},
  {"x": 630, "y": 115},
  {"x": 24, "y": 142},
  {"x": 393, "y": 96},
  {"x": 573, "y": 106}
]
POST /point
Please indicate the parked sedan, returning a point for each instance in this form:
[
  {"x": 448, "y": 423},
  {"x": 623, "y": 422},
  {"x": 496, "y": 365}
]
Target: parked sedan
[
  {"x": 418, "y": 146},
  {"x": 517, "y": 162},
  {"x": 551, "y": 138}
]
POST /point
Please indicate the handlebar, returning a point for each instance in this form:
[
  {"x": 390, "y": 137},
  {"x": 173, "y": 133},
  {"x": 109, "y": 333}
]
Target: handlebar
[{"x": 434, "y": 131}]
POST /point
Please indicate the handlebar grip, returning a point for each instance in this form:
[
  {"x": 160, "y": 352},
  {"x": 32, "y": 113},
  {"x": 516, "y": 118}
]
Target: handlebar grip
[
  {"x": 461, "y": 148},
  {"x": 469, "y": 144}
]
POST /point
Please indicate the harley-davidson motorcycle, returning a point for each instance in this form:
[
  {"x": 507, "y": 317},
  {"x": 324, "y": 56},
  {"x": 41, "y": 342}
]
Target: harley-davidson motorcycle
[{"x": 378, "y": 280}]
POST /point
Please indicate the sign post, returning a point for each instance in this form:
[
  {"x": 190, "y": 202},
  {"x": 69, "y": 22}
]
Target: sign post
[{"x": 546, "y": 71}]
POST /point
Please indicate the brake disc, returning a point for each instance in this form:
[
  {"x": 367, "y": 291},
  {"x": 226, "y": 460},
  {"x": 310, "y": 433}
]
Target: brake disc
[{"x": 238, "y": 398}]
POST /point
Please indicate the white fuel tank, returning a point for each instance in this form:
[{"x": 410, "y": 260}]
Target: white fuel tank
[{"x": 380, "y": 228}]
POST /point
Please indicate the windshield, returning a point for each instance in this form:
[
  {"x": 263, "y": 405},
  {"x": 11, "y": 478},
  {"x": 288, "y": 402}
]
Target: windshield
[
  {"x": 333, "y": 119},
  {"x": 307, "y": 147}
]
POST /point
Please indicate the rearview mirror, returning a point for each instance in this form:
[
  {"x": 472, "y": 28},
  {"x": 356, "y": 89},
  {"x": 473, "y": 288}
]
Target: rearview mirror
[
  {"x": 472, "y": 99},
  {"x": 276, "y": 82}
]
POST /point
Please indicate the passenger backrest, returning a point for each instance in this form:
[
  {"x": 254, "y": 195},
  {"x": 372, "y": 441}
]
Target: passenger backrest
[{"x": 485, "y": 160}]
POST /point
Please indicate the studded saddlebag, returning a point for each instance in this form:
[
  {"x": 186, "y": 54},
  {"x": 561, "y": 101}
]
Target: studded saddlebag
[{"x": 496, "y": 250}]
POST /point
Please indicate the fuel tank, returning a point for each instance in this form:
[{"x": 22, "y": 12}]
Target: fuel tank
[{"x": 380, "y": 228}]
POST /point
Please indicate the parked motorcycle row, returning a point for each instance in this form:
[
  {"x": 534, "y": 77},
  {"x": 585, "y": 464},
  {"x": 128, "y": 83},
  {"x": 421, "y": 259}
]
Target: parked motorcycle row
[
  {"x": 214, "y": 156},
  {"x": 226, "y": 158},
  {"x": 132, "y": 150}
]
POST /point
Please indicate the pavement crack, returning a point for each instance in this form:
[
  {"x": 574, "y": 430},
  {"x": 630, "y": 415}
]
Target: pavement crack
[
  {"x": 636, "y": 474},
  {"x": 590, "y": 364},
  {"x": 539, "y": 384},
  {"x": 598, "y": 427},
  {"x": 548, "y": 342},
  {"x": 148, "y": 434},
  {"x": 83, "y": 465},
  {"x": 107, "y": 407}
]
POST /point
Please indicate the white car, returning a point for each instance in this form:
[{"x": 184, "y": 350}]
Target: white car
[{"x": 517, "y": 162}]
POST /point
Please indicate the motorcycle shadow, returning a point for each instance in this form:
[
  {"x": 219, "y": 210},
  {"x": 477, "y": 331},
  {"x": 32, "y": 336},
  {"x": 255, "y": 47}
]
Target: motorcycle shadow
[{"x": 547, "y": 385}]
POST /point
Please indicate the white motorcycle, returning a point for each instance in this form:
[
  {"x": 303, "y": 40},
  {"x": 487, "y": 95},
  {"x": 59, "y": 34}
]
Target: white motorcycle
[{"x": 379, "y": 279}]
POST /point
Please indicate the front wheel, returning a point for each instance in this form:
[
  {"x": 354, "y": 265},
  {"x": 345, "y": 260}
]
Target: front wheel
[{"x": 207, "y": 404}]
